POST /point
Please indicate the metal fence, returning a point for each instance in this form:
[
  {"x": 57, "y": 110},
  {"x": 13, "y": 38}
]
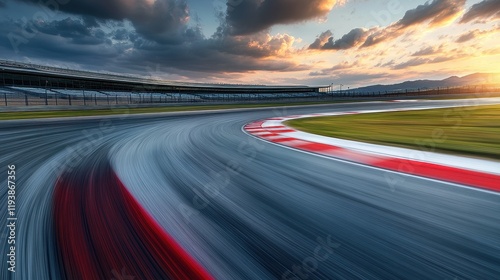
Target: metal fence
[
  {"x": 23, "y": 99},
  {"x": 41, "y": 97},
  {"x": 20, "y": 97},
  {"x": 474, "y": 89}
]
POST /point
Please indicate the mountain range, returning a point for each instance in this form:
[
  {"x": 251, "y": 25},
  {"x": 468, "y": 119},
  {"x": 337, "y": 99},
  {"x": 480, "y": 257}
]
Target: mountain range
[{"x": 477, "y": 79}]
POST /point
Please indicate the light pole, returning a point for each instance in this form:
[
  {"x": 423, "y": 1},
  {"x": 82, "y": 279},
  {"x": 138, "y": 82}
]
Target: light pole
[
  {"x": 55, "y": 95},
  {"x": 46, "y": 85},
  {"x": 83, "y": 92},
  {"x": 340, "y": 89}
]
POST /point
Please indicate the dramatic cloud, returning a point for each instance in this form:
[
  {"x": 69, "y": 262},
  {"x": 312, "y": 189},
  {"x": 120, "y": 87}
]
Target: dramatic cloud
[
  {"x": 468, "y": 36},
  {"x": 421, "y": 61},
  {"x": 435, "y": 13},
  {"x": 122, "y": 47},
  {"x": 257, "y": 45},
  {"x": 438, "y": 12},
  {"x": 139, "y": 36},
  {"x": 321, "y": 40},
  {"x": 155, "y": 20},
  {"x": 251, "y": 16},
  {"x": 208, "y": 60},
  {"x": 352, "y": 39},
  {"x": 476, "y": 34},
  {"x": 485, "y": 10},
  {"x": 224, "y": 54},
  {"x": 134, "y": 33},
  {"x": 64, "y": 40},
  {"x": 121, "y": 34},
  {"x": 427, "y": 51},
  {"x": 77, "y": 31},
  {"x": 335, "y": 69}
]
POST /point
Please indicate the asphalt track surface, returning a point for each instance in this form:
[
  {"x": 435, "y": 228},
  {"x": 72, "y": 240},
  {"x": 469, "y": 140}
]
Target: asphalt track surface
[{"x": 191, "y": 196}]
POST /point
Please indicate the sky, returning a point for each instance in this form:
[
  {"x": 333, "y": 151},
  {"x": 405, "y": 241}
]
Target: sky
[{"x": 306, "y": 42}]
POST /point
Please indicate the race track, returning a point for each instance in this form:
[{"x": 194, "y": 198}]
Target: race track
[{"x": 191, "y": 196}]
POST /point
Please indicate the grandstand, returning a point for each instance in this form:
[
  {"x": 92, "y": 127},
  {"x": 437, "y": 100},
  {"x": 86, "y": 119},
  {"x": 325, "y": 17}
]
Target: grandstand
[{"x": 43, "y": 82}]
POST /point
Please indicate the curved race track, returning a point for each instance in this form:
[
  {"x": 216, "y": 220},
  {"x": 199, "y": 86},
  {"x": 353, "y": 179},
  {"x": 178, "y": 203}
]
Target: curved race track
[{"x": 190, "y": 195}]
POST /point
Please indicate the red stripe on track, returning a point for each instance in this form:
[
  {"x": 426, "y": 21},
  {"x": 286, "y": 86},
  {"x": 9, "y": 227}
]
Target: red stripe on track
[
  {"x": 286, "y": 139},
  {"x": 281, "y": 130},
  {"x": 424, "y": 169},
  {"x": 274, "y": 127},
  {"x": 317, "y": 147},
  {"x": 441, "y": 172},
  {"x": 102, "y": 232}
]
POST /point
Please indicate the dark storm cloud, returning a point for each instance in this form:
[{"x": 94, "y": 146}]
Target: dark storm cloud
[
  {"x": 152, "y": 19},
  {"x": 89, "y": 47},
  {"x": 72, "y": 39},
  {"x": 99, "y": 36},
  {"x": 121, "y": 34},
  {"x": 73, "y": 31},
  {"x": 209, "y": 60},
  {"x": 435, "y": 13},
  {"x": 90, "y": 21},
  {"x": 160, "y": 20},
  {"x": 258, "y": 45},
  {"x": 487, "y": 9},
  {"x": 251, "y": 16},
  {"x": 221, "y": 53},
  {"x": 67, "y": 28}
]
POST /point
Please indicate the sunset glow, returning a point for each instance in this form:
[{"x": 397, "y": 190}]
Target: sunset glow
[{"x": 315, "y": 42}]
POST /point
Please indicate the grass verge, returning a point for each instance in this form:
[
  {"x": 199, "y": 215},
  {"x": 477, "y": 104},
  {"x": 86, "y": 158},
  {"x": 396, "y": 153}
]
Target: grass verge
[
  {"x": 116, "y": 111},
  {"x": 471, "y": 131}
]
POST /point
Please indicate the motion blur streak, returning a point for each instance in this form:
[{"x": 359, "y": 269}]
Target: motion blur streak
[
  {"x": 102, "y": 231},
  {"x": 242, "y": 208}
]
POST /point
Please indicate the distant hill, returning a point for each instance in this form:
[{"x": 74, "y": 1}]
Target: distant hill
[{"x": 454, "y": 81}]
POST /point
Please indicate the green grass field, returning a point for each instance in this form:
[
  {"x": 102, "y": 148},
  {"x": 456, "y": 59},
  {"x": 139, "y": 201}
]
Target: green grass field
[
  {"x": 472, "y": 131},
  {"x": 117, "y": 111}
]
